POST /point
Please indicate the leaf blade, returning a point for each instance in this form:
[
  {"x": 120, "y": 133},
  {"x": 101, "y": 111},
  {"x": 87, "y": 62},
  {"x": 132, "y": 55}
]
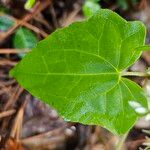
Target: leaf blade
[{"x": 74, "y": 70}]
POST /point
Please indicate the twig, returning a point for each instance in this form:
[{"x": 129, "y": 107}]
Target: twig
[
  {"x": 54, "y": 19},
  {"x": 5, "y": 90},
  {"x": 46, "y": 134},
  {"x": 41, "y": 20},
  {"x": 17, "y": 126},
  {"x": 38, "y": 7},
  {"x": 13, "y": 51},
  {"x": 135, "y": 142},
  {"x": 7, "y": 113},
  {"x": 9, "y": 32},
  {"x": 13, "y": 98},
  {"x": 7, "y": 62},
  {"x": 9, "y": 105},
  {"x": 35, "y": 29},
  {"x": 29, "y": 26},
  {"x": 142, "y": 4},
  {"x": 42, "y": 142},
  {"x": 50, "y": 138},
  {"x": 3, "y": 76},
  {"x": 12, "y": 101},
  {"x": 8, "y": 83},
  {"x": 70, "y": 18},
  {"x": 15, "y": 131}
]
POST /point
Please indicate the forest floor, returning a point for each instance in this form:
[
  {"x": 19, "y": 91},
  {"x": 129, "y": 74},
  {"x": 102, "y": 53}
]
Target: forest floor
[{"x": 28, "y": 124}]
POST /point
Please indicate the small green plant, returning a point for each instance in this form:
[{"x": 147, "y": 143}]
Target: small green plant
[{"x": 81, "y": 71}]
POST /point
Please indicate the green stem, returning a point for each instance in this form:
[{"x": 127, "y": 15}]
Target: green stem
[
  {"x": 121, "y": 141},
  {"x": 139, "y": 74}
]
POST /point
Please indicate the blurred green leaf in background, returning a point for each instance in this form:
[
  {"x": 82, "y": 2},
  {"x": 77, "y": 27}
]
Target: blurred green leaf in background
[
  {"x": 5, "y": 23},
  {"x": 90, "y": 7},
  {"x": 3, "y": 9},
  {"x": 24, "y": 39},
  {"x": 124, "y": 4},
  {"x": 29, "y": 4}
]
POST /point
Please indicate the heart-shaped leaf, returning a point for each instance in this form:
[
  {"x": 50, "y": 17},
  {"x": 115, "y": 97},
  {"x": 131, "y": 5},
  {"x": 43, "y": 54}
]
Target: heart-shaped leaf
[{"x": 78, "y": 71}]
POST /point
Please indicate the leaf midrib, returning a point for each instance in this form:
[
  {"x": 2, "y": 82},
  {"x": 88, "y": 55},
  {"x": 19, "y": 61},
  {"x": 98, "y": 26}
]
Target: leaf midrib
[
  {"x": 70, "y": 74},
  {"x": 84, "y": 52}
]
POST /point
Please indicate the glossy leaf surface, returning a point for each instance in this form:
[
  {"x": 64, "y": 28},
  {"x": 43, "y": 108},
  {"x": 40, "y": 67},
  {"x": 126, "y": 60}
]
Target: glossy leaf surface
[{"x": 77, "y": 70}]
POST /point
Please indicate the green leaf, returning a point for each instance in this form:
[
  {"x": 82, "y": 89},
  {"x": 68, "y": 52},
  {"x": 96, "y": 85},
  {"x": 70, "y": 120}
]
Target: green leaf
[
  {"x": 4, "y": 9},
  {"x": 24, "y": 39},
  {"x": 29, "y": 4},
  {"x": 77, "y": 70},
  {"x": 5, "y": 23},
  {"x": 90, "y": 7},
  {"x": 124, "y": 3}
]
